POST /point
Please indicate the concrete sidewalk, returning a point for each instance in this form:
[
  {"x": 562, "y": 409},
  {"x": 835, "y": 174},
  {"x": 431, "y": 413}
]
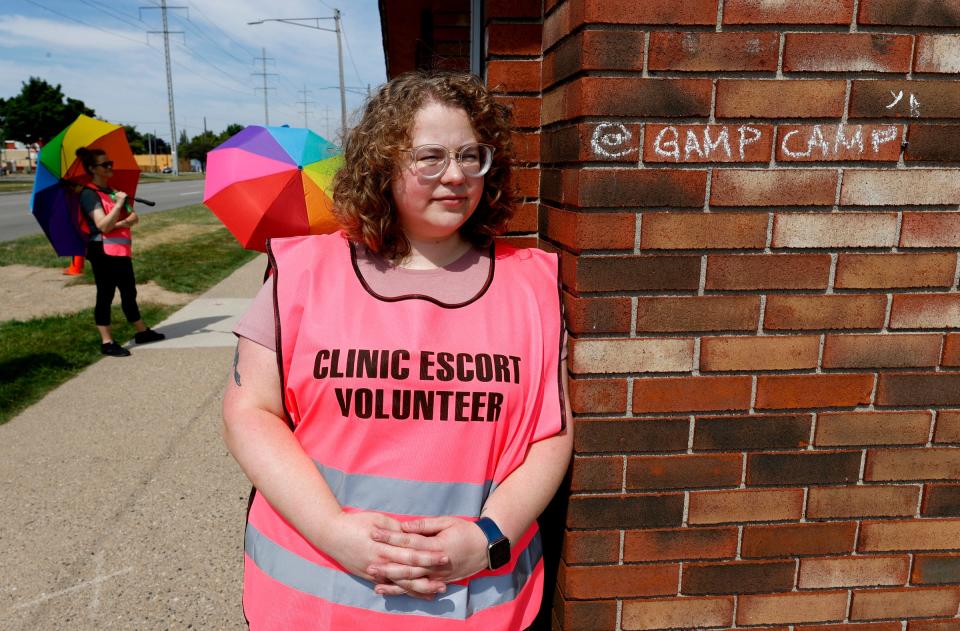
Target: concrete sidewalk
[{"x": 126, "y": 511}]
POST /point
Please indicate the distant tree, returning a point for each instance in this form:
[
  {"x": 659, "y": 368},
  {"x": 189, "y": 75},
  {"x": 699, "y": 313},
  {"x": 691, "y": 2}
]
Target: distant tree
[
  {"x": 138, "y": 143},
  {"x": 39, "y": 112},
  {"x": 158, "y": 145},
  {"x": 230, "y": 131}
]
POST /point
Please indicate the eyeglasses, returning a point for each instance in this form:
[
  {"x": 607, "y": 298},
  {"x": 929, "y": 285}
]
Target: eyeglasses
[
  {"x": 431, "y": 161},
  {"x": 108, "y": 164}
]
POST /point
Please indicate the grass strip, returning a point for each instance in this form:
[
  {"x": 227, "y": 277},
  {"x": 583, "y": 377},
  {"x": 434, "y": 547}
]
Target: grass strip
[{"x": 38, "y": 355}]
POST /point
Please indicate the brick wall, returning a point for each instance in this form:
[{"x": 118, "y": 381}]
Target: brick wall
[{"x": 757, "y": 205}]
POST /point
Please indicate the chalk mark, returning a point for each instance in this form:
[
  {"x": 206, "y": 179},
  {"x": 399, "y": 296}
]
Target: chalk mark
[{"x": 93, "y": 582}]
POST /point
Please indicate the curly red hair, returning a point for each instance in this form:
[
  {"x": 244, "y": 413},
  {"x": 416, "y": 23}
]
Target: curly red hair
[{"x": 361, "y": 189}]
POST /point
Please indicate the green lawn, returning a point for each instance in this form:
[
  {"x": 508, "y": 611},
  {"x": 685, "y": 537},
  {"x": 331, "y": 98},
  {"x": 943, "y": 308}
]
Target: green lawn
[
  {"x": 38, "y": 355},
  {"x": 15, "y": 187}
]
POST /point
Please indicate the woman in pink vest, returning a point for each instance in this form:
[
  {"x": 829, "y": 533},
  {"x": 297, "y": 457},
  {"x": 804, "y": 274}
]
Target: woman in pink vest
[
  {"x": 398, "y": 393},
  {"x": 108, "y": 218}
]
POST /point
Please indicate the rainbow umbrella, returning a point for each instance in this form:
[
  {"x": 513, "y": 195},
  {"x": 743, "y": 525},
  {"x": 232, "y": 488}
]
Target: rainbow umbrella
[
  {"x": 60, "y": 176},
  {"x": 272, "y": 182}
]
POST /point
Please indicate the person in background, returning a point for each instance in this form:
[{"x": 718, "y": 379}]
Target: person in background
[
  {"x": 109, "y": 217},
  {"x": 398, "y": 391}
]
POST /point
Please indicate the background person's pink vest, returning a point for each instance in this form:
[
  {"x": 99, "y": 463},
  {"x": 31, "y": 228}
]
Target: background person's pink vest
[
  {"x": 410, "y": 408},
  {"x": 119, "y": 241}
]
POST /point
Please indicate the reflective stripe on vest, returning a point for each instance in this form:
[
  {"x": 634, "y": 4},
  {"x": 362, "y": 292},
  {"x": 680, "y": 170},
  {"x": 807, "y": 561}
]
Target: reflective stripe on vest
[
  {"x": 117, "y": 242},
  {"x": 459, "y": 602}
]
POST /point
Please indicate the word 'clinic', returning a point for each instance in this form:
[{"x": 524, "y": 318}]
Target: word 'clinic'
[{"x": 365, "y": 363}]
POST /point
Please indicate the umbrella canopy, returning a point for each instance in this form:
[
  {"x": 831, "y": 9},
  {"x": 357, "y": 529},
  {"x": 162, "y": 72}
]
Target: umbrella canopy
[
  {"x": 272, "y": 182},
  {"x": 60, "y": 175}
]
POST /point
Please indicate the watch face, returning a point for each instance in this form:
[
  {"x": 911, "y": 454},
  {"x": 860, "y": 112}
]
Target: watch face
[{"x": 499, "y": 553}]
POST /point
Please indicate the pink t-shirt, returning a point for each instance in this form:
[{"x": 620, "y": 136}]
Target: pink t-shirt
[{"x": 453, "y": 283}]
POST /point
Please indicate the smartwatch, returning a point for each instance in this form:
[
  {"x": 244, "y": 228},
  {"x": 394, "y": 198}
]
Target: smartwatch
[{"x": 498, "y": 546}]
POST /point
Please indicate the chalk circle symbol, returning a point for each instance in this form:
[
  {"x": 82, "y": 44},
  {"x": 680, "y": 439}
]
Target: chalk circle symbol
[{"x": 611, "y": 140}]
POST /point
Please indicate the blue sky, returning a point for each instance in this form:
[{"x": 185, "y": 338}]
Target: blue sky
[{"x": 100, "y": 53}]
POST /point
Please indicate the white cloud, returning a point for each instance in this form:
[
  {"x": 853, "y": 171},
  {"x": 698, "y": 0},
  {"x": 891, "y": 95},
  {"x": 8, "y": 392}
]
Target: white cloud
[{"x": 20, "y": 30}]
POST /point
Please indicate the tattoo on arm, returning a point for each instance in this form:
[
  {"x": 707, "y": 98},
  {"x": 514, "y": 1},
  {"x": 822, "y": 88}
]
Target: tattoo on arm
[{"x": 236, "y": 368}]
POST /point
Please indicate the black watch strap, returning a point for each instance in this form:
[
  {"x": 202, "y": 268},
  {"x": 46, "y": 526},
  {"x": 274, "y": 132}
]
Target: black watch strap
[{"x": 498, "y": 546}]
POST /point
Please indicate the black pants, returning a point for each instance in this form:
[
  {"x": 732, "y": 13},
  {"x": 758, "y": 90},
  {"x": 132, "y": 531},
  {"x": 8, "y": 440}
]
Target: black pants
[{"x": 112, "y": 273}]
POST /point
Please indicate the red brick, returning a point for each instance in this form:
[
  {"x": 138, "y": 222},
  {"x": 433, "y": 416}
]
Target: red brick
[
  {"x": 862, "y": 501},
  {"x": 598, "y": 395},
  {"x": 909, "y": 12},
  {"x": 935, "y": 569},
  {"x": 631, "y": 355},
  {"x": 788, "y": 608},
  {"x": 798, "y": 539},
  {"x": 925, "y": 311},
  {"x": 585, "y": 614},
  {"x": 691, "y": 231},
  {"x": 867, "y": 187},
  {"x": 933, "y": 143},
  {"x": 927, "y": 534},
  {"x": 625, "y": 511},
  {"x": 524, "y": 218},
  {"x": 853, "y": 572},
  {"x": 681, "y": 394},
  {"x": 525, "y": 110},
  {"x": 937, "y": 53},
  {"x": 773, "y": 352},
  {"x": 662, "y": 314},
  {"x": 881, "y": 351},
  {"x": 594, "y": 50},
  {"x": 514, "y": 75},
  {"x": 597, "y": 473},
  {"x": 701, "y": 51},
  {"x": 526, "y": 146},
  {"x": 618, "y": 581},
  {"x": 745, "y": 505},
  {"x": 744, "y": 577},
  {"x": 903, "y": 603},
  {"x": 925, "y": 389},
  {"x": 795, "y": 469},
  {"x": 879, "y": 99},
  {"x": 787, "y": 187},
  {"x": 933, "y": 625},
  {"x": 707, "y": 143},
  {"x": 834, "y": 230},
  {"x": 511, "y": 9},
  {"x": 930, "y": 230},
  {"x": 633, "y": 435},
  {"x": 679, "y": 544},
  {"x": 591, "y": 188},
  {"x": 881, "y": 271},
  {"x": 948, "y": 427},
  {"x": 677, "y": 613},
  {"x": 941, "y": 500},
  {"x": 757, "y": 431},
  {"x": 912, "y": 464},
  {"x": 598, "y": 142},
  {"x": 635, "y": 273},
  {"x": 752, "y": 98},
  {"x": 808, "y": 143},
  {"x": 849, "y": 311},
  {"x": 813, "y": 391},
  {"x": 802, "y": 12},
  {"x": 868, "y": 626},
  {"x": 872, "y": 428},
  {"x": 595, "y": 546},
  {"x": 683, "y": 472},
  {"x": 847, "y": 52},
  {"x": 513, "y": 39},
  {"x": 527, "y": 182},
  {"x": 767, "y": 271},
  {"x": 627, "y": 96},
  {"x": 596, "y": 315},
  {"x": 596, "y": 231}
]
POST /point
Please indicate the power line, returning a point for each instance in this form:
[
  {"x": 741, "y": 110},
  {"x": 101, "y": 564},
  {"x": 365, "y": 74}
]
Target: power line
[
  {"x": 197, "y": 30},
  {"x": 199, "y": 57},
  {"x": 224, "y": 33},
  {"x": 111, "y": 13},
  {"x": 350, "y": 54},
  {"x": 93, "y": 26},
  {"x": 265, "y": 74}
]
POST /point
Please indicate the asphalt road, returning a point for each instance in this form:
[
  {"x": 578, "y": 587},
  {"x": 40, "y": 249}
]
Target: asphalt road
[{"x": 17, "y": 221}]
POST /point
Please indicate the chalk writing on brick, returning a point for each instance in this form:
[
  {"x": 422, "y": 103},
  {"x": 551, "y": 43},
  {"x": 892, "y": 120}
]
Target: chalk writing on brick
[
  {"x": 846, "y": 140},
  {"x": 611, "y": 140},
  {"x": 716, "y": 143},
  {"x": 913, "y": 102}
]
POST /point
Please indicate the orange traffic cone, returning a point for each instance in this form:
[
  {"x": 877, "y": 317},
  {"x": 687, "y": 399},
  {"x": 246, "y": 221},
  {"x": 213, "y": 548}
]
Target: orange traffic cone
[{"x": 76, "y": 267}]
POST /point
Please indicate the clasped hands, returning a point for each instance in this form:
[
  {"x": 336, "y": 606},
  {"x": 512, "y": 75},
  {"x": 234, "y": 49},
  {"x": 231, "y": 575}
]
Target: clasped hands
[{"x": 417, "y": 557}]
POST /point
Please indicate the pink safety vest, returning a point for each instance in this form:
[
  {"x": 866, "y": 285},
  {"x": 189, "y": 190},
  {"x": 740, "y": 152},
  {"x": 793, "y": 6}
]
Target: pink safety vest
[
  {"x": 411, "y": 408},
  {"x": 117, "y": 242}
]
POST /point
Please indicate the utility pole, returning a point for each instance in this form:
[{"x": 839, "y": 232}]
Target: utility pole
[
  {"x": 204, "y": 125},
  {"x": 326, "y": 121},
  {"x": 265, "y": 74},
  {"x": 305, "y": 102},
  {"x": 166, "y": 54}
]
